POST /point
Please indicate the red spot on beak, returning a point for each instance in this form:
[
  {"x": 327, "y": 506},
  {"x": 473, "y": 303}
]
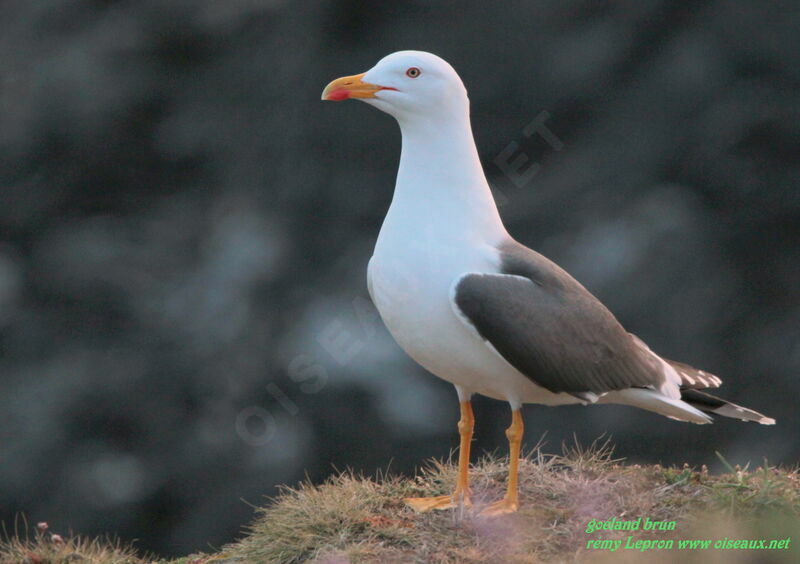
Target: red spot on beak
[{"x": 339, "y": 94}]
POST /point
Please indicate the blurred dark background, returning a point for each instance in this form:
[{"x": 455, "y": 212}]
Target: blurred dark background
[{"x": 184, "y": 321}]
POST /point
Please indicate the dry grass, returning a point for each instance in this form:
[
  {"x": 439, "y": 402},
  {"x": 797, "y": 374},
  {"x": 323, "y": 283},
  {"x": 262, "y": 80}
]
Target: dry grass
[
  {"x": 354, "y": 519},
  {"x": 44, "y": 547}
]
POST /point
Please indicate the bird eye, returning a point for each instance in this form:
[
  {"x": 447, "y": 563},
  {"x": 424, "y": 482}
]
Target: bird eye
[{"x": 413, "y": 72}]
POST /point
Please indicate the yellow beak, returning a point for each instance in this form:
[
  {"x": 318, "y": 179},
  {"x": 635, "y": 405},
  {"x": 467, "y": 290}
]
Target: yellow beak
[{"x": 351, "y": 87}]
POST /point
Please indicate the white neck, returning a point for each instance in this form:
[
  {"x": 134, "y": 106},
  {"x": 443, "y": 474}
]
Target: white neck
[{"x": 441, "y": 185}]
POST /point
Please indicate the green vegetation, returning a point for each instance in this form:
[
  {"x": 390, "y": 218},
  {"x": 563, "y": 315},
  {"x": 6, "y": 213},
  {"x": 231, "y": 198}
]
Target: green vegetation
[{"x": 350, "y": 518}]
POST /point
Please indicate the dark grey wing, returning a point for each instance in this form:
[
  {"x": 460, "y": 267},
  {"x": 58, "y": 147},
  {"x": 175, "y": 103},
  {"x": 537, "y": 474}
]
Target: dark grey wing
[
  {"x": 693, "y": 378},
  {"x": 688, "y": 377},
  {"x": 550, "y": 328}
]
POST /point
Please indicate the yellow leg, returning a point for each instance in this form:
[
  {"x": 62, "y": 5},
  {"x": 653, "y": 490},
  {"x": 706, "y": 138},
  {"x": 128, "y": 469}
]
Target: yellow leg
[
  {"x": 460, "y": 495},
  {"x": 510, "y": 503}
]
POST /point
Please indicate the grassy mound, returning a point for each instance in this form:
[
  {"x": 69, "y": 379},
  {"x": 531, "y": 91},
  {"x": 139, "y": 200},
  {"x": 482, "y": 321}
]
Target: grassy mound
[{"x": 355, "y": 519}]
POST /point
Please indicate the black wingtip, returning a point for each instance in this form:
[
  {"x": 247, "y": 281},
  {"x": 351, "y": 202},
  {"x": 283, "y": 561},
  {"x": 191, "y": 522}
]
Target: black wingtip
[{"x": 712, "y": 404}]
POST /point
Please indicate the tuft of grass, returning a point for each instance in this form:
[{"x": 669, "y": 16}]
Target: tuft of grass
[
  {"x": 45, "y": 547},
  {"x": 353, "y": 519}
]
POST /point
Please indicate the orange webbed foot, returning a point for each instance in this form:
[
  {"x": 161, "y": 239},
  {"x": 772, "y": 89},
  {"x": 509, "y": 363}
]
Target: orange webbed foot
[
  {"x": 424, "y": 504},
  {"x": 502, "y": 507}
]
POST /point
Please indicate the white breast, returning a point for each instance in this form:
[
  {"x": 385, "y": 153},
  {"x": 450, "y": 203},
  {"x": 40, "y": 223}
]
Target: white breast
[
  {"x": 442, "y": 224},
  {"x": 410, "y": 280},
  {"x": 410, "y": 287}
]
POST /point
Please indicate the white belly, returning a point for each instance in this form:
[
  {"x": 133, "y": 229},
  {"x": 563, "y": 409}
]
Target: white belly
[{"x": 411, "y": 288}]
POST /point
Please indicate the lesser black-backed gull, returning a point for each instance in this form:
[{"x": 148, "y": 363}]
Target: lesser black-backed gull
[{"x": 478, "y": 309}]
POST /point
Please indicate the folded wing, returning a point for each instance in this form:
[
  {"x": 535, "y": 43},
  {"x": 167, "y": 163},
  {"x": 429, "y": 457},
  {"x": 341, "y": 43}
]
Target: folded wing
[{"x": 551, "y": 329}]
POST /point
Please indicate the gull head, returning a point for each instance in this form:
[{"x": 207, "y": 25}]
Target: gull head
[{"x": 407, "y": 85}]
